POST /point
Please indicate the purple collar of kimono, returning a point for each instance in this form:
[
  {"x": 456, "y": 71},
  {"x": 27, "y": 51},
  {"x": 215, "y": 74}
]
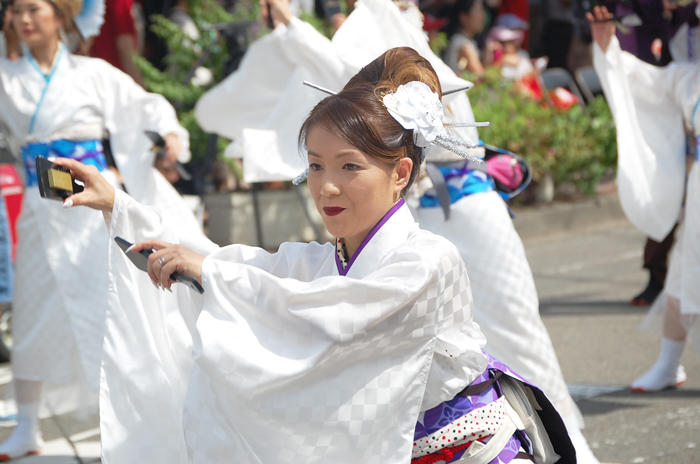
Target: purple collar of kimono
[{"x": 366, "y": 240}]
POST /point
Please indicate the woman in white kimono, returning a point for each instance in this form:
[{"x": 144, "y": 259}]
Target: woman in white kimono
[
  {"x": 651, "y": 105},
  {"x": 60, "y": 105},
  {"x": 359, "y": 351},
  {"x": 261, "y": 110}
]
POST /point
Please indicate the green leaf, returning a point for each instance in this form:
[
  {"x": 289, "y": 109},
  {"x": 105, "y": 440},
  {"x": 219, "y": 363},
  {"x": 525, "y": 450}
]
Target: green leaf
[
  {"x": 570, "y": 145},
  {"x": 184, "y": 53}
]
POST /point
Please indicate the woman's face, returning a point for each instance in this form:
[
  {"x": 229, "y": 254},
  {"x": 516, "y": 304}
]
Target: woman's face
[
  {"x": 474, "y": 21},
  {"x": 352, "y": 190},
  {"x": 36, "y": 22},
  {"x": 509, "y": 46}
]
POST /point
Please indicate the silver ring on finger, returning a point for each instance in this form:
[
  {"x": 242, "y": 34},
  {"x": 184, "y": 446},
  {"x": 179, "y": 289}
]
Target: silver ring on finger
[{"x": 161, "y": 261}]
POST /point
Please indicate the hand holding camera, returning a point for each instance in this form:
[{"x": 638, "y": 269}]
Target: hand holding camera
[
  {"x": 94, "y": 190},
  {"x": 10, "y": 35}
]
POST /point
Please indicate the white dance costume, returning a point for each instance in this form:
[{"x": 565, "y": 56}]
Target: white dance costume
[
  {"x": 61, "y": 269},
  {"x": 651, "y": 106},
  {"x": 506, "y": 304}
]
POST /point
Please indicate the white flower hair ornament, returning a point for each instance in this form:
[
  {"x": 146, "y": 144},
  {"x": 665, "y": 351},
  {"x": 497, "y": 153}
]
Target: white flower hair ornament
[{"x": 415, "y": 106}]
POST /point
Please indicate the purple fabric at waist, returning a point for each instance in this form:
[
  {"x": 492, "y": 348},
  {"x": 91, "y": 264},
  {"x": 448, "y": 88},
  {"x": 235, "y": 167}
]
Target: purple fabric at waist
[{"x": 447, "y": 412}]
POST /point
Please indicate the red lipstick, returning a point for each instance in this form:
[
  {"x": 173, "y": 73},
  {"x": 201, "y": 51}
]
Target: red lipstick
[{"x": 333, "y": 210}]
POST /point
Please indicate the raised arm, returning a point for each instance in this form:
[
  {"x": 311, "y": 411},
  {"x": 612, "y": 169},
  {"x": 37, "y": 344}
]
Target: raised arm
[
  {"x": 602, "y": 27},
  {"x": 183, "y": 246},
  {"x": 129, "y": 111},
  {"x": 98, "y": 193},
  {"x": 258, "y": 89},
  {"x": 648, "y": 108}
]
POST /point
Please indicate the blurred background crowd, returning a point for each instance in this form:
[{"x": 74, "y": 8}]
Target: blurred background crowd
[
  {"x": 531, "y": 60},
  {"x": 182, "y": 48}
]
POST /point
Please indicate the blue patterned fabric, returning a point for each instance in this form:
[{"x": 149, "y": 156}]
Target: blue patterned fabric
[
  {"x": 89, "y": 152},
  {"x": 6, "y": 270},
  {"x": 460, "y": 183},
  {"x": 440, "y": 416}
]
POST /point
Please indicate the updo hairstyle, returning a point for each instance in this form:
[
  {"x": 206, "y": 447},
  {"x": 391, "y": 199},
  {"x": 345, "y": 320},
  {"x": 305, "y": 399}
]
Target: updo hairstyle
[{"x": 358, "y": 116}]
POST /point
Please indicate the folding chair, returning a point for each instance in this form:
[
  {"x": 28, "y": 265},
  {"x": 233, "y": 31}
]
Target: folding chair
[
  {"x": 588, "y": 82},
  {"x": 559, "y": 77}
]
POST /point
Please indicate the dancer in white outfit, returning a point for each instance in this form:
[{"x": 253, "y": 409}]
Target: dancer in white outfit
[
  {"x": 651, "y": 105},
  {"x": 506, "y": 304},
  {"x": 61, "y": 105},
  {"x": 352, "y": 352}
]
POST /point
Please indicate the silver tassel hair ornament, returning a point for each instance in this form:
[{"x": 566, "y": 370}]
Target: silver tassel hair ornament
[{"x": 431, "y": 131}]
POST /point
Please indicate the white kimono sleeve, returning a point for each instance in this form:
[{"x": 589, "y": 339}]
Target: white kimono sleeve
[
  {"x": 292, "y": 363},
  {"x": 247, "y": 97},
  {"x": 147, "y": 351},
  {"x": 649, "y": 105},
  {"x": 330, "y": 370},
  {"x": 263, "y": 104},
  {"x": 129, "y": 110}
]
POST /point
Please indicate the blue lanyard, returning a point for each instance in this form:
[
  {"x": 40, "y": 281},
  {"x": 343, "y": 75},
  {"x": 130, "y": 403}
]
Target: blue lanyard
[{"x": 33, "y": 62}]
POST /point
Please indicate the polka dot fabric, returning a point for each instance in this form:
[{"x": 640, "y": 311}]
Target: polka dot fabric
[
  {"x": 480, "y": 423},
  {"x": 445, "y": 417}
]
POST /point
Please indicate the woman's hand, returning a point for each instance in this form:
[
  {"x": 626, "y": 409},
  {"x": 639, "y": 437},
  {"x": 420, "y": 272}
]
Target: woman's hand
[
  {"x": 338, "y": 20},
  {"x": 172, "y": 147},
  {"x": 98, "y": 193},
  {"x": 166, "y": 163},
  {"x": 602, "y": 28},
  {"x": 168, "y": 170},
  {"x": 11, "y": 37},
  {"x": 168, "y": 258},
  {"x": 279, "y": 9}
]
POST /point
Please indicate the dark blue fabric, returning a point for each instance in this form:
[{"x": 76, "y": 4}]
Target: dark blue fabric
[{"x": 6, "y": 271}]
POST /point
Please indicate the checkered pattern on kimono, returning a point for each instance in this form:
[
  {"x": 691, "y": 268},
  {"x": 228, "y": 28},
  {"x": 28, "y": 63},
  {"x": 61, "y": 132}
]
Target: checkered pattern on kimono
[
  {"x": 34, "y": 356},
  {"x": 141, "y": 414},
  {"x": 367, "y": 383},
  {"x": 161, "y": 444},
  {"x": 506, "y": 306},
  {"x": 458, "y": 296},
  {"x": 60, "y": 293}
]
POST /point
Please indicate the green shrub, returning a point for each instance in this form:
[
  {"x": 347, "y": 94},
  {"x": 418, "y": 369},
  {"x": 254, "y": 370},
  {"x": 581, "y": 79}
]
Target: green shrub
[
  {"x": 183, "y": 53},
  {"x": 571, "y": 145}
]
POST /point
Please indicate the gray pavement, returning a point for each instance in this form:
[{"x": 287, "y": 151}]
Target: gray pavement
[
  {"x": 81, "y": 429},
  {"x": 585, "y": 279}
]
